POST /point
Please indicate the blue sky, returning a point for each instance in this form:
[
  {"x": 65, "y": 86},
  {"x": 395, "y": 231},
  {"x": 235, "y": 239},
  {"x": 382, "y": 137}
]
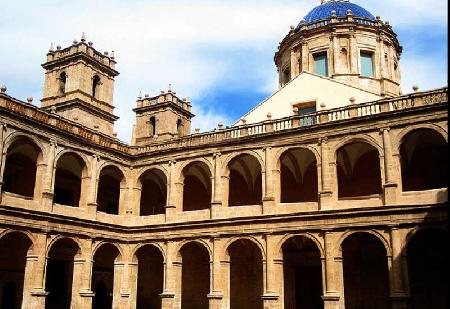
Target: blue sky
[{"x": 218, "y": 53}]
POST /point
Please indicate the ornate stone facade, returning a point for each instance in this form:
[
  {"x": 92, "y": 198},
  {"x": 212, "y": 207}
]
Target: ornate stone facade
[{"x": 342, "y": 208}]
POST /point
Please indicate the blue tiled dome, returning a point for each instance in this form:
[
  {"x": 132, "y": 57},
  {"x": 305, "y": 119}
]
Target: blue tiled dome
[{"x": 323, "y": 11}]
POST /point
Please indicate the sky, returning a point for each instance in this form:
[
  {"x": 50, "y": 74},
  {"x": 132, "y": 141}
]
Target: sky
[{"x": 217, "y": 53}]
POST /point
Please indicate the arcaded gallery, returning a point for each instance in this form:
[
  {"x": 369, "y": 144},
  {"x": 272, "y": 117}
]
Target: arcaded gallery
[{"x": 334, "y": 204}]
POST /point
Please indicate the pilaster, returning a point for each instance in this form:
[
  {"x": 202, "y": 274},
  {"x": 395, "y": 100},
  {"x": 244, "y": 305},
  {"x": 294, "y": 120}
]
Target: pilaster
[
  {"x": 172, "y": 194},
  {"x": 268, "y": 198},
  {"x": 390, "y": 186},
  {"x": 326, "y": 193},
  {"x": 47, "y": 192},
  {"x": 398, "y": 290}
]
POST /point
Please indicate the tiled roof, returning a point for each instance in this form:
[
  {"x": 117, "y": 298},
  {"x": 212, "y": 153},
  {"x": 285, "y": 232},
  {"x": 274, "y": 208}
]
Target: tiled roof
[{"x": 324, "y": 10}]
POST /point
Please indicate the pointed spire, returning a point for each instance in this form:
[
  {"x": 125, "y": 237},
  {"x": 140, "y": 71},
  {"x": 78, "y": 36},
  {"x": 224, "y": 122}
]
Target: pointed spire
[
  {"x": 112, "y": 55},
  {"x": 83, "y": 38},
  {"x": 140, "y": 95},
  {"x": 170, "y": 87},
  {"x": 51, "y": 47}
]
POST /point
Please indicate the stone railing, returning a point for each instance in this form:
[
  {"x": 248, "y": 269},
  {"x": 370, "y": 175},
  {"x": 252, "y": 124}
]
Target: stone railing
[{"x": 361, "y": 110}]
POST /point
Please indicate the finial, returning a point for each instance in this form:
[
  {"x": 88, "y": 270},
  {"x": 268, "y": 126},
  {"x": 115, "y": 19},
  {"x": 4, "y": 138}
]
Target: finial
[
  {"x": 30, "y": 99},
  {"x": 333, "y": 13},
  {"x": 349, "y": 12},
  {"x": 51, "y": 47},
  {"x": 415, "y": 88},
  {"x": 140, "y": 95},
  {"x": 244, "y": 121},
  {"x": 269, "y": 115},
  {"x": 197, "y": 130},
  {"x": 3, "y": 89},
  {"x": 323, "y": 105},
  {"x": 83, "y": 38},
  {"x": 105, "y": 53},
  {"x": 220, "y": 125},
  {"x": 90, "y": 43},
  {"x": 292, "y": 28},
  {"x": 352, "y": 100},
  {"x": 58, "y": 47},
  {"x": 112, "y": 55},
  {"x": 170, "y": 88},
  {"x": 75, "y": 42},
  {"x": 146, "y": 95}
]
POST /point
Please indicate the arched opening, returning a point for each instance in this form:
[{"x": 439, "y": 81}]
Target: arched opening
[
  {"x": 197, "y": 187},
  {"x": 366, "y": 276},
  {"x": 95, "y": 85},
  {"x": 111, "y": 180},
  {"x": 358, "y": 170},
  {"x": 19, "y": 176},
  {"x": 59, "y": 274},
  {"x": 103, "y": 276},
  {"x": 302, "y": 270},
  {"x": 62, "y": 83},
  {"x": 246, "y": 275},
  {"x": 245, "y": 181},
  {"x": 195, "y": 276},
  {"x": 428, "y": 269},
  {"x": 70, "y": 170},
  {"x": 179, "y": 127},
  {"x": 153, "y": 193},
  {"x": 150, "y": 277},
  {"x": 298, "y": 168},
  {"x": 13, "y": 252},
  {"x": 424, "y": 161},
  {"x": 152, "y": 126}
]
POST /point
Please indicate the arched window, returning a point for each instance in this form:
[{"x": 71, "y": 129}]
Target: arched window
[
  {"x": 245, "y": 184},
  {"x": 95, "y": 85},
  {"x": 69, "y": 180},
  {"x": 62, "y": 83},
  {"x": 197, "y": 187},
  {"x": 153, "y": 192},
  {"x": 111, "y": 181},
  {"x": 179, "y": 127},
  {"x": 152, "y": 126}
]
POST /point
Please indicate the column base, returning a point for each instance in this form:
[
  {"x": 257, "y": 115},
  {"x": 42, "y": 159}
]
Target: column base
[
  {"x": 215, "y": 300},
  {"x": 268, "y": 205},
  {"x": 167, "y": 299},
  {"x": 390, "y": 194},
  {"x": 325, "y": 200},
  {"x": 331, "y": 301},
  {"x": 36, "y": 299}
]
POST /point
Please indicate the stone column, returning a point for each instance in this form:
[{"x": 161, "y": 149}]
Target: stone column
[
  {"x": 390, "y": 186},
  {"x": 335, "y": 53},
  {"x": 170, "y": 280},
  {"x": 293, "y": 65},
  {"x": 331, "y": 275},
  {"x": 77, "y": 283},
  {"x": 271, "y": 294},
  {"x": 47, "y": 192},
  {"x": 353, "y": 53},
  {"x": 171, "y": 207},
  {"x": 34, "y": 280},
  {"x": 92, "y": 201},
  {"x": 215, "y": 297},
  {"x": 216, "y": 202},
  {"x": 129, "y": 293},
  {"x": 119, "y": 267},
  {"x": 268, "y": 198},
  {"x": 398, "y": 291},
  {"x": 326, "y": 192},
  {"x": 85, "y": 283},
  {"x": 305, "y": 58}
]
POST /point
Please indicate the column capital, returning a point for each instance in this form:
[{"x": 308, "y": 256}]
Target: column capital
[
  {"x": 322, "y": 140},
  {"x": 384, "y": 129}
]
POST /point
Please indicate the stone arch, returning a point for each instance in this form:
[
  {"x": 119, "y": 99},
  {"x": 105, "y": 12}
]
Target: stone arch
[
  {"x": 111, "y": 184},
  {"x": 418, "y": 229},
  {"x": 375, "y": 233},
  {"x": 231, "y": 156},
  {"x": 16, "y": 135},
  {"x": 196, "y": 180},
  {"x": 280, "y": 151},
  {"x": 362, "y": 138},
  {"x": 157, "y": 246},
  {"x": 71, "y": 173},
  {"x": 299, "y": 171},
  {"x": 146, "y": 169},
  {"x": 359, "y": 168},
  {"x": 22, "y": 165},
  {"x": 184, "y": 164},
  {"x": 27, "y": 234},
  {"x": 152, "y": 184},
  {"x": 201, "y": 242},
  {"x": 98, "y": 245},
  {"x": 106, "y": 164},
  {"x": 61, "y": 237},
  {"x": 225, "y": 256},
  {"x": 279, "y": 247},
  {"x": 399, "y": 138}
]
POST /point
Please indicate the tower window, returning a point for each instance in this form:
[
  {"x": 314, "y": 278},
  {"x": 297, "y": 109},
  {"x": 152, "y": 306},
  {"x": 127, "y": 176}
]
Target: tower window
[
  {"x": 62, "y": 82},
  {"x": 152, "y": 126},
  {"x": 321, "y": 64},
  {"x": 95, "y": 84},
  {"x": 179, "y": 127},
  {"x": 367, "y": 63}
]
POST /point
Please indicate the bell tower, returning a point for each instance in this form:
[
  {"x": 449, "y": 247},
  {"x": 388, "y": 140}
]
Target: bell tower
[
  {"x": 161, "y": 118},
  {"x": 79, "y": 85}
]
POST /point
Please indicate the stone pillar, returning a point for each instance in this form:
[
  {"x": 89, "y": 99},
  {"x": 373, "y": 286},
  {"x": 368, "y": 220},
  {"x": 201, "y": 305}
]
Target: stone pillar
[
  {"x": 170, "y": 279},
  {"x": 215, "y": 297},
  {"x": 79, "y": 272},
  {"x": 47, "y": 192},
  {"x": 85, "y": 278},
  {"x": 117, "y": 288},
  {"x": 305, "y": 58},
  {"x": 34, "y": 279},
  {"x": 225, "y": 181},
  {"x": 129, "y": 293},
  {"x": 93, "y": 185},
  {"x": 216, "y": 202},
  {"x": 171, "y": 207},
  {"x": 335, "y": 53},
  {"x": 353, "y": 53},
  {"x": 293, "y": 65},
  {"x": 331, "y": 274},
  {"x": 268, "y": 198},
  {"x": 326, "y": 193},
  {"x": 390, "y": 186},
  {"x": 380, "y": 60},
  {"x": 398, "y": 290},
  {"x": 271, "y": 293}
]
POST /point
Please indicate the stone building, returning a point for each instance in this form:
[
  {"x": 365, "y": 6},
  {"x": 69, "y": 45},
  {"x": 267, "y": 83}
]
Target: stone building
[{"x": 342, "y": 207}]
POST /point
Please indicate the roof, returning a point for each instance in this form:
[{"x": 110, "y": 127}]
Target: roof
[{"x": 324, "y": 11}]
